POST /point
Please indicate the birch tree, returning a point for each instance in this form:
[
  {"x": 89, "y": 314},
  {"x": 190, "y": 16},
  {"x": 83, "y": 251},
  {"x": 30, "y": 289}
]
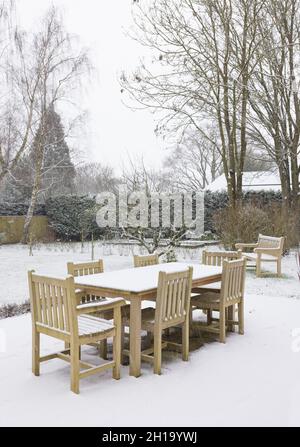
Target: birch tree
[{"x": 53, "y": 54}]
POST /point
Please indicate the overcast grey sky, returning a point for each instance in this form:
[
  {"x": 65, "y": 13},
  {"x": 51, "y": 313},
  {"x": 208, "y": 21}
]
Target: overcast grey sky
[{"x": 112, "y": 129}]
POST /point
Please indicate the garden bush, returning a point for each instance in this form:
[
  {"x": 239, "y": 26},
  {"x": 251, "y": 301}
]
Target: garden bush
[
  {"x": 73, "y": 218},
  {"x": 250, "y": 220},
  {"x": 242, "y": 226}
]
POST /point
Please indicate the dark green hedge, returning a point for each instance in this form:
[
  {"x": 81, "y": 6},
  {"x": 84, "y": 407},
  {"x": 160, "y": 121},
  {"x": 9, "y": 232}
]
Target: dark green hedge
[
  {"x": 70, "y": 215},
  {"x": 20, "y": 209}
]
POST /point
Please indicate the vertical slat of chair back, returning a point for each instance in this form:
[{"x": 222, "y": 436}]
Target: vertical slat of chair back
[
  {"x": 144, "y": 261},
  {"x": 217, "y": 257},
  {"x": 52, "y": 301},
  {"x": 233, "y": 281},
  {"x": 85, "y": 268},
  {"x": 173, "y": 296}
]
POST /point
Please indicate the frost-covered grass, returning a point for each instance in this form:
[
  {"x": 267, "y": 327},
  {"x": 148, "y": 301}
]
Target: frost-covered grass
[{"x": 251, "y": 380}]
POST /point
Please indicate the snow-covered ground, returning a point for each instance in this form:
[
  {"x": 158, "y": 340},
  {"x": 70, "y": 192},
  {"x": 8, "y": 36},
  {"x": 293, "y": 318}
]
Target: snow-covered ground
[{"x": 251, "y": 380}]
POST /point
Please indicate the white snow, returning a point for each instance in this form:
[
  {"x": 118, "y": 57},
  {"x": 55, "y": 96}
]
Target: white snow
[
  {"x": 251, "y": 380},
  {"x": 252, "y": 181},
  {"x": 143, "y": 278}
]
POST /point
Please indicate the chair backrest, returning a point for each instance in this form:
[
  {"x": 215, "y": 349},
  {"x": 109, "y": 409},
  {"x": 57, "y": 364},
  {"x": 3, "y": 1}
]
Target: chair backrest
[
  {"x": 144, "y": 261},
  {"x": 233, "y": 281},
  {"x": 217, "y": 257},
  {"x": 53, "y": 302},
  {"x": 270, "y": 242},
  {"x": 173, "y": 296},
  {"x": 85, "y": 268}
]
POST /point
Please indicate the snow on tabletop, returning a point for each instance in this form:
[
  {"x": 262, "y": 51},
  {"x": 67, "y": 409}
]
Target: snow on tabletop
[{"x": 143, "y": 278}]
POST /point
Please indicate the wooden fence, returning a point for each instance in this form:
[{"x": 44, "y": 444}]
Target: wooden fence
[{"x": 11, "y": 229}]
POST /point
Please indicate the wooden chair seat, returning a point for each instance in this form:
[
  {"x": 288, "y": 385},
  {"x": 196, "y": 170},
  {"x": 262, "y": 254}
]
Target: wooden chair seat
[
  {"x": 91, "y": 325},
  {"x": 207, "y": 300},
  {"x": 215, "y": 287},
  {"x": 254, "y": 256}
]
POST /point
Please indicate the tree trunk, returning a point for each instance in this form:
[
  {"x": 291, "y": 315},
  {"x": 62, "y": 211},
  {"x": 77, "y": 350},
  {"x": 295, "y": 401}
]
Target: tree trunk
[{"x": 30, "y": 212}]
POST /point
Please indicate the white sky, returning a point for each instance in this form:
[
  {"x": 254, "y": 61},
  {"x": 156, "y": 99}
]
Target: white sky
[{"x": 113, "y": 130}]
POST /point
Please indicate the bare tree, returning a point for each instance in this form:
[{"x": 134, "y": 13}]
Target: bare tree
[
  {"x": 139, "y": 177},
  {"x": 204, "y": 51},
  {"x": 94, "y": 178},
  {"x": 274, "y": 124},
  {"x": 195, "y": 162},
  {"x": 154, "y": 183},
  {"x": 20, "y": 88},
  {"x": 52, "y": 53}
]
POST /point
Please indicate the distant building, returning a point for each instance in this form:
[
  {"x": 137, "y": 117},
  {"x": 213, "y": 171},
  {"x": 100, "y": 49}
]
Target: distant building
[{"x": 252, "y": 181}]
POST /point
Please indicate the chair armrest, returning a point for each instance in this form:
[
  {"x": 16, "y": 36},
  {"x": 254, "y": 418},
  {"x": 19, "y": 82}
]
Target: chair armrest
[
  {"x": 100, "y": 306},
  {"x": 268, "y": 251},
  {"x": 240, "y": 246}
]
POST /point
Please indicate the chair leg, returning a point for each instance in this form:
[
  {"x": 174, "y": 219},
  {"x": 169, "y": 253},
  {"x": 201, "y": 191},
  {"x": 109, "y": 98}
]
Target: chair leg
[
  {"x": 241, "y": 317},
  {"x": 209, "y": 317},
  {"x": 157, "y": 353},
  {"x": 222, "y": 325},
  {"x": 185, "y": 341},
  {"x": 35, "y": 352},
  {"x": 117, "y": 343},
  {"x": 230, "y": 316},
  {"x": 279, "y": 267},
  {"x": 191, "y": 314},
  {"x": 122, "y": 344},
  {"x": 103, "y": 349},
  {"x": 258, "y": 265},
  {"x": 75, "y": 367}
]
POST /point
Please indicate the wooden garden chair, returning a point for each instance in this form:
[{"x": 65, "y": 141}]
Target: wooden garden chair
[
  {"x": 216, "y": 258},
  {"x": 144, "y": 261},
  {"x": 91, "y": 268},
  {"x": 85, "y": 268},
  {"x": 55, "y": 312},
  {"x": 266, "y": 249},
  {"x": 230, "y": 295},
  {"x": 172, "y": 310}
]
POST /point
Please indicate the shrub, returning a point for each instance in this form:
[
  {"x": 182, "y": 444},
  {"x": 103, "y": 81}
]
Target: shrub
[
  {"x": 242, "y": 226},
  {"x": 12, "y": 310},
  {"x": 217, "y": 201},
  {"x": 20, "y": 209},
  {"x": 249, "y": 221},
  {"x": 73, "y": 217}
]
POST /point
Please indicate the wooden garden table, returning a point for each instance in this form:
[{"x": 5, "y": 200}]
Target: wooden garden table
[{"x": 140, "y": 284}]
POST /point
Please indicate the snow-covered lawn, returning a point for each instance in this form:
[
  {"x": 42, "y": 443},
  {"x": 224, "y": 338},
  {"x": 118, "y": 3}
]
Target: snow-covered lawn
[{"x": 251, "y": 380}]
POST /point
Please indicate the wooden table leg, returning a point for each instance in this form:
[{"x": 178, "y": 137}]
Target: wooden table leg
[{"x": 135, "y": 337}]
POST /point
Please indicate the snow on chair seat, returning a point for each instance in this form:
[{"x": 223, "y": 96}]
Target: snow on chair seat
[{"x": 89, "y": 325}]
